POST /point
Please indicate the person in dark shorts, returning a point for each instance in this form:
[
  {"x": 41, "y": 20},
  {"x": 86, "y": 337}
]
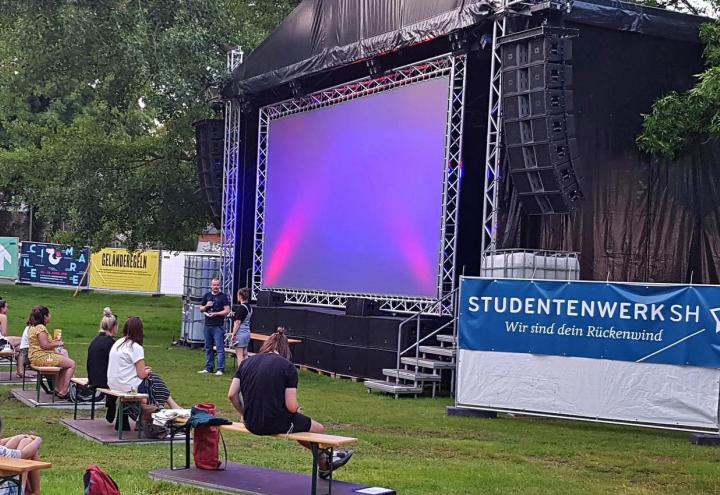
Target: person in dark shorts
[{"x": 264, "y": 392}]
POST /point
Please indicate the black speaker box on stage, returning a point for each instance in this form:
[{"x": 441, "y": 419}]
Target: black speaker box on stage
[
  {"x": 263, "y": 320},
  {"x": 268, "y": 298},
  {"x": 210, "y": 148},
  {"x": 377, "y": 359},
  {"x": 358, "y": 306},
  {"x": 538, "y": 119},
  {"x": 293, "y": 319},
  {"x": 320, "y": 325},
  {"x": 351, "y": 360},
  {"x": 351, "y": 330},
  {"x": 320, "y": 355}
]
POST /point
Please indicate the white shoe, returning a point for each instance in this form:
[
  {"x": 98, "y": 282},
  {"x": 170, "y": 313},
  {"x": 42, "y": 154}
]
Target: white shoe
[
  {"x": 203, "y": 372},
  {"x": 219, "y": 373}
]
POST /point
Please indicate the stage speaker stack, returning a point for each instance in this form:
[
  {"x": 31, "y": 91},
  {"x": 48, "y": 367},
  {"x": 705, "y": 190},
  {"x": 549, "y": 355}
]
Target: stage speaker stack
[
  {"x": 539, "y": 120},
  {"x": 269, "y": 298},
  {"x": 210, "y": 149},
  {"x": 357, "y": 306}
]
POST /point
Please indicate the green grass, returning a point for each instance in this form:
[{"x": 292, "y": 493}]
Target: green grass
[{"x": 408, "y": 444}]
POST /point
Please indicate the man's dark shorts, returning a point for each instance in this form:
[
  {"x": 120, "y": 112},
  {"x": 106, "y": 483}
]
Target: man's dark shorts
[{"x": 296, "y": 423}]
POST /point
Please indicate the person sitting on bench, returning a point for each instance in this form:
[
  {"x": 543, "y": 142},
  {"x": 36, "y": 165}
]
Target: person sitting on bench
[
  {"x": 22, "y": 355},
  {"x": 44, "y": 351},
  {"x": 264, "y": 392},
  {"x": 23, "y": 447},
  {"x": 12, "y": 340},
  {"x": 98, "y": 356},
  {"x": 127, "y": 371}
]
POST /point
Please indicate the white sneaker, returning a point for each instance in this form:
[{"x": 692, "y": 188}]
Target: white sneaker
[
  {"x": 219, "y": 373},
  {"x": 203, "y": 372}
]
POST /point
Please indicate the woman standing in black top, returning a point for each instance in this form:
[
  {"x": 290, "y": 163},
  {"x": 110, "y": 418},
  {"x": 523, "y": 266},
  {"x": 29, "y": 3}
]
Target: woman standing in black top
[
  {"x": 240, "y": 338},
  {"x": 268, "y": 384}
]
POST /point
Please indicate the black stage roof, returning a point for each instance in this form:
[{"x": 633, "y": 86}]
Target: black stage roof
[{"x": 324, "y": 34}]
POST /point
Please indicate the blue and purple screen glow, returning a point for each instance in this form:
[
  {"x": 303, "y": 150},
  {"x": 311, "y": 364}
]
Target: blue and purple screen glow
[{"x": 353, "y": 199}]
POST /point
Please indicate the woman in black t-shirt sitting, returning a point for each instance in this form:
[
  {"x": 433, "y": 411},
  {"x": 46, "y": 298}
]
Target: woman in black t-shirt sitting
[
  {"x": 98, "y": 355},
  {"x": 268, "y": 384}
]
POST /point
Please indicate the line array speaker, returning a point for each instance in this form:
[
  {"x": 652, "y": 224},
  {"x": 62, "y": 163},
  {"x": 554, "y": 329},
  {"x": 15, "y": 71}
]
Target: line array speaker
[
  {"x": 539, "y": 120},
  {"x": 210, "y": 148}
]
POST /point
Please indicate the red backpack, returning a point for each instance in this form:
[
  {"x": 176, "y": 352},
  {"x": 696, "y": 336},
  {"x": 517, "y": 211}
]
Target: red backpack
[{"x": 98, "y": 482}]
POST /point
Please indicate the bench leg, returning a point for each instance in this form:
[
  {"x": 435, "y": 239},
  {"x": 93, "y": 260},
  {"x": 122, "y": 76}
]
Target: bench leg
[
  {"x": 92, "y": 404},
  {"x": 119, "y": 417},
  {"x": 315, "y": 454},
  {"x": 38, "y": 377},
  {"x": 75, "y": 408},
  {"x": 11, "y": 360}
]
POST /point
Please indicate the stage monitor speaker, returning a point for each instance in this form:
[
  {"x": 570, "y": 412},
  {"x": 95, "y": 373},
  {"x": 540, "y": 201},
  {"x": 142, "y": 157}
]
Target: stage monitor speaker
[
  {"x": 538, "y": 119},
  {"x": 210, "y": 149},
  {"x": 357, "y": 306},
  {"x": 268, "y": 298}
]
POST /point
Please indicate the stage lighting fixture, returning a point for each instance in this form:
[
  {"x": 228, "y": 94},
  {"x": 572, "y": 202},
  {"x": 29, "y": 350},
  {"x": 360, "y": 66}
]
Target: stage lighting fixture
[
  {"x": 458, "y": 42},
  {"x": 246, "y": 105},
  {"x": 374, "y": 67},
  {"x": 296, "y": 88}
]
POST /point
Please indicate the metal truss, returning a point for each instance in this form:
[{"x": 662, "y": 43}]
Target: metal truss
[
  {"x": 231, "y": 173},
  {"x": 446, "y": 65},
  {"x": 493, "y": 144}
]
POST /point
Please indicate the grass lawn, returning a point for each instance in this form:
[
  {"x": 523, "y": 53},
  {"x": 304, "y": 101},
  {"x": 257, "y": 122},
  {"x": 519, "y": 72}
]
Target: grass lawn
[{"x": 408, "y": 444}]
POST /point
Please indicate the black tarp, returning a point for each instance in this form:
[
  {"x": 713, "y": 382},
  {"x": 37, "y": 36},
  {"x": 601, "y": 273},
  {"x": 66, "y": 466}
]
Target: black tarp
[{"x": 324, "y": 34}]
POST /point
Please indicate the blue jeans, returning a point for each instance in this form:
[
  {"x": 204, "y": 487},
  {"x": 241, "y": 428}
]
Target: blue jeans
[{"x": 214, "y": 336}]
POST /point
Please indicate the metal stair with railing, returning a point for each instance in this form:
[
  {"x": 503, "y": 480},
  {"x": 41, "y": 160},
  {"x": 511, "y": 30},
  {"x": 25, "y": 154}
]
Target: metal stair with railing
[{"x": 418, "y": 371}]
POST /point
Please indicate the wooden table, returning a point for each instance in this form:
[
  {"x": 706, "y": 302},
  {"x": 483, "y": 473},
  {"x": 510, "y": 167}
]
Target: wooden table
[{"x": 16, "y": 470}]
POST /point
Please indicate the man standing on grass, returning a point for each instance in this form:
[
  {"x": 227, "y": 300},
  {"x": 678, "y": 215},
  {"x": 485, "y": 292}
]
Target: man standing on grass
[{"x": 216, "y": 306}]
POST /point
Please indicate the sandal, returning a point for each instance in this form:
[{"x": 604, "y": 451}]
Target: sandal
[{"x": 62, "y": 396}]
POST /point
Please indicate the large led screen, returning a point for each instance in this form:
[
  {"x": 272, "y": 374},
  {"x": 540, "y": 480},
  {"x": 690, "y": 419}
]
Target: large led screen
[{"x": 353, "y": 199}]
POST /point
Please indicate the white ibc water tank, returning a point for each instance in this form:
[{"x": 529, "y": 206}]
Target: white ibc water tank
[{"x": 542, "y": 265}]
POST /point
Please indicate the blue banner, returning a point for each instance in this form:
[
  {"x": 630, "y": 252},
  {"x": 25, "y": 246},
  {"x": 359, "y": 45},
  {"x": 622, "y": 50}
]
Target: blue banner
[
  {"x": 43, "y": 263},
  {"x": 665, "y": 324}
]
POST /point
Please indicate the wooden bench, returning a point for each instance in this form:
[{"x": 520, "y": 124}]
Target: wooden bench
[
  {"x": 84, "y": 383},
  {"x": 40, "y": 372},
  {"x": 317, "y": 442},
  {"x": 9, "y": 357},
  {"x": 15, "y": 471},
  {"x": 121, "y": 399}
]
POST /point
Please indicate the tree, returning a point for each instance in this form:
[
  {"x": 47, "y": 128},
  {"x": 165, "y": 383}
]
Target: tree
[
  {"x": 97, "y": 101},
  {"x": 678, "y": 118}
]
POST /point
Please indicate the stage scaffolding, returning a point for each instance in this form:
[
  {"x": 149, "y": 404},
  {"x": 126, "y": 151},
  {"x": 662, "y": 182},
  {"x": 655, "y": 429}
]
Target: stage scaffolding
[
  {"x": 231, "y": 178},
  {"x": 450, "y": 66}
]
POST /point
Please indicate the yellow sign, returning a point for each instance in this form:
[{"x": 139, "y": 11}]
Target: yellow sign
[{"x": 119, "y": 269}]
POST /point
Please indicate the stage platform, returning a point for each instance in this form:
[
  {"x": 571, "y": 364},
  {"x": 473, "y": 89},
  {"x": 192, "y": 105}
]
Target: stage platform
[
  {"x": 99, "y": 430},
  {"x": 252, "y": 480},
  {"x": 5, "y": 379},
  {"x": 29, "y": 398}
]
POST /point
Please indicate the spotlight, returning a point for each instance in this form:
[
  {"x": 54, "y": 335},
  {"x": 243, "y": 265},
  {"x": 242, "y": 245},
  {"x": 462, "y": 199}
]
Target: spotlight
[
  {"x": 374, "y": 67},
  {"x": 296, "y": 88},
  {"x": 246, "y": 105},
  {"x": 458, "y": 42}
]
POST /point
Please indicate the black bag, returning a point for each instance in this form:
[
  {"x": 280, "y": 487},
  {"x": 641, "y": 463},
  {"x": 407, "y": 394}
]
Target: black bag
[{"x": 84, "y": 394}]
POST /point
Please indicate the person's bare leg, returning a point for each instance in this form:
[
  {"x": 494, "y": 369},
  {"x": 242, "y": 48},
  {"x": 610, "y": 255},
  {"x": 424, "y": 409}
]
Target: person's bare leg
[
  {"x": 238, "y": 355},
  {"x": 67, "y": 372},
  {"x": 316, "y": 427},
  {"x": 20, "y": 359}
]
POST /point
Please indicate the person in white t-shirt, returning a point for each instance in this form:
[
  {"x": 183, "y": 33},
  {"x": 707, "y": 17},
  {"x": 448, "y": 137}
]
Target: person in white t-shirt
[
  {"x": 22, "y": 355},
  {"x": 127, "y": 371}
]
